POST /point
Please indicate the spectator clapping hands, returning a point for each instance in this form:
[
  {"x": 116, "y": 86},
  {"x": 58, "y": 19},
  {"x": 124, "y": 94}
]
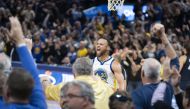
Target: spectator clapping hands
[{"x": 16, "y": 31}]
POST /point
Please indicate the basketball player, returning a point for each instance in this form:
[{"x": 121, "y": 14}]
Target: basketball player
[{"x": 106, "y": 67}]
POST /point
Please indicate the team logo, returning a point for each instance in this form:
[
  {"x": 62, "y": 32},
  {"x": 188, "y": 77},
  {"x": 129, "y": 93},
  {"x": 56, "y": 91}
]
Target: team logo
[
  {"x": 37, "y": 50},
  {"x": 48, "y": 76},
  {"x": 102, "y": 73}
]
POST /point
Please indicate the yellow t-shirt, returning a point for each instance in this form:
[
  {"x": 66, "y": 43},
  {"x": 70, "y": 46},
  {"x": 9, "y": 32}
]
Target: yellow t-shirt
[
  {"x": 52, "y": 92},
  {"x": 101, "y": 89},
  {"x": 83, "y": 52}
]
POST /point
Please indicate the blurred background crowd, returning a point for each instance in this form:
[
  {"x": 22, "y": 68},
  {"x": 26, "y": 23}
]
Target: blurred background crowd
[{"x": 61, "y": 32}]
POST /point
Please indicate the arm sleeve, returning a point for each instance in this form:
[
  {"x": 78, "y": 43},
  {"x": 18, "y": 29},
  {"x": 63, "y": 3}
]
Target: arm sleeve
[{"x": 37, "y": 99}]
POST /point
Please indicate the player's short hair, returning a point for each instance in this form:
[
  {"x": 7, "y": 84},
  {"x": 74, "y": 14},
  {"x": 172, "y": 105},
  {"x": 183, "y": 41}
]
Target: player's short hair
[{"x": 108, "y": 40}]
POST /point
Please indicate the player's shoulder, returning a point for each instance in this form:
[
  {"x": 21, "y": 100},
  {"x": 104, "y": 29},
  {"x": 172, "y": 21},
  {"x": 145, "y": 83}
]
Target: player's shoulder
[
  {"x": 116, "y": 62},
  {"x": 93, "y": 60}
]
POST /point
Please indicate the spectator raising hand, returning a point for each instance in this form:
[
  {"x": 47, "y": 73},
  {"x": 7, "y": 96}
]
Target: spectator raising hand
[
  {"x": 159, "y": 30},
  {"x": 16, "y": 32},
  {"x": 23, "y": 89}
]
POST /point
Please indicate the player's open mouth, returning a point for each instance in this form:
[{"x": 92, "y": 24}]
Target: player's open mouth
[{"x": 98, "y": 49}]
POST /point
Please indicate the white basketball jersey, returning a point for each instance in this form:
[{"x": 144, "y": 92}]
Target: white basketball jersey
[{"x": 104, "y": 70}]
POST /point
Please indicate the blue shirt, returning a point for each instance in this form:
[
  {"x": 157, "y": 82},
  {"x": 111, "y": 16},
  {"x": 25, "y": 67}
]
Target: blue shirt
[
  {"x": 37, "y": 52},
  {"x": 37, "y": 99},
  {"x": 1, "y": 101},
  {"x": 142, "y": 96}
]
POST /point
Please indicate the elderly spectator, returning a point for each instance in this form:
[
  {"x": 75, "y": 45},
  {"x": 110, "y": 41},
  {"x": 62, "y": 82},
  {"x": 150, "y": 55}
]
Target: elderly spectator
[
  {"x": 150, "y": 76},
  {"x": 77, "y": 95},
  {"x": 82, "y": 69}
]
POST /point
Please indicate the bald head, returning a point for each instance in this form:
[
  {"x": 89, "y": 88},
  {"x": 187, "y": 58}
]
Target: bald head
[{"x": 151, "y": 68}]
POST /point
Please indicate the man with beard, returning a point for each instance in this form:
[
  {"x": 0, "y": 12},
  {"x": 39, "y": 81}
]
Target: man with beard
[{"x": 107, "y": 67}]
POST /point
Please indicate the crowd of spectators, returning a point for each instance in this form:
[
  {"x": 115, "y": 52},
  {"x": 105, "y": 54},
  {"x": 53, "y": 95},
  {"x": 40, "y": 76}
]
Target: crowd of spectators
[{"x": 61, "y": 32}]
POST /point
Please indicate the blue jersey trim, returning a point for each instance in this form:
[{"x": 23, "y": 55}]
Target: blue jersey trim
[
  {"x": 93, "y": 61},
  {"x": 102, "y": 63},
  {"x": 111, "y": 66}
]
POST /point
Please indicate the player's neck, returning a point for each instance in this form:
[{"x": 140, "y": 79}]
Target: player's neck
[{"x": 103, "y": 57}]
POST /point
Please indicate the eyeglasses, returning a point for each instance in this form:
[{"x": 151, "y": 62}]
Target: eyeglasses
[
  {"x": 120, "y": 97},
  {"x": 71, "y": 96}
]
